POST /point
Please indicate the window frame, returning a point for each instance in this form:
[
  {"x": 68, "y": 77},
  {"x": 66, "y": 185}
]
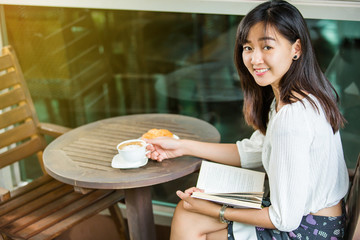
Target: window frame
[{"x": 319, "y": 9}]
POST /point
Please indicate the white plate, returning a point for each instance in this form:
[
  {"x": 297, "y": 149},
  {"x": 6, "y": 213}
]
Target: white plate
[
  {"x": 174, "y": 136},
  {"x": 118, "y": 162}
]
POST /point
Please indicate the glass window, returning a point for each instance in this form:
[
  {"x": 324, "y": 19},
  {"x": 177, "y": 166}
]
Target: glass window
[{"x": 82, "y": 65}]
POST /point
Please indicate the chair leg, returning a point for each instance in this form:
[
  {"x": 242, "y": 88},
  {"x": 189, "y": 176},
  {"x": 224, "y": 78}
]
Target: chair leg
[
  {"x": 4, "y": 237},
  {"x": 119, "y": 221}
]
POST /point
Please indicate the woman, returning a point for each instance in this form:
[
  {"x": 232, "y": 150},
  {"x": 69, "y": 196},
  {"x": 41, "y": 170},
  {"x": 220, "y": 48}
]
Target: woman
[{"x": 292, "y": 107}]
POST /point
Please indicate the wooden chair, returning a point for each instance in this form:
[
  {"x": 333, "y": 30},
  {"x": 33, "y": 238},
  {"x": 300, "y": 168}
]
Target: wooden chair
[
  {"x": 353, "y": 205},
  {"x": 44, "y": 208}
]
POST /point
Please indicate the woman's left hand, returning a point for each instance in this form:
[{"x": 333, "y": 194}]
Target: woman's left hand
[{"x": 198, "y": 205}]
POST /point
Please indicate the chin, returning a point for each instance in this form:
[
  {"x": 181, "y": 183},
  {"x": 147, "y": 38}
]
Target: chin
[{"x": 262, "y": 83}]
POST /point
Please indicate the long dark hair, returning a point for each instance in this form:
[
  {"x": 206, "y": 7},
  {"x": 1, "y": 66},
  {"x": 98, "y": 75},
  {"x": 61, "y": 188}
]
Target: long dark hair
[{"x": 304, "y": 75}]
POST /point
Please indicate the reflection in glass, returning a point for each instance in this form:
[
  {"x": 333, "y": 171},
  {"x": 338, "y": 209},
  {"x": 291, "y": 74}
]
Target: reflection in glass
[{"x": 82, "y": 65}]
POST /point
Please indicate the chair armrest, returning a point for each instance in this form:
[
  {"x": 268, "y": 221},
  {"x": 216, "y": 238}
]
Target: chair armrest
[
  {"x": 4, "y": 194},
  {"x": 52, "y": 129}
]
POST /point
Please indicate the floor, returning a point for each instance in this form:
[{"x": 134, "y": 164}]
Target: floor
[{"x": 101, "y": 227}]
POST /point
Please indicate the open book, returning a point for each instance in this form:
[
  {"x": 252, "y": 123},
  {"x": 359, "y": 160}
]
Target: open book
[{"x": 233, "y": 186}]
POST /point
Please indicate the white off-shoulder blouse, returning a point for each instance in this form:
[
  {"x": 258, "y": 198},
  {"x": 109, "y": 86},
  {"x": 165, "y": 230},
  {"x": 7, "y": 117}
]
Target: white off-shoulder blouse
[{"x": 304, "y": 162}]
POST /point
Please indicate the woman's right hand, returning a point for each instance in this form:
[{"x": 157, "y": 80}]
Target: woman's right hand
[{"x": 164, "y": 148}]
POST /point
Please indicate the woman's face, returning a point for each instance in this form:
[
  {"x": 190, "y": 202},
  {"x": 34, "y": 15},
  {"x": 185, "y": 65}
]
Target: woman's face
[{"x": 268, "y": 55}]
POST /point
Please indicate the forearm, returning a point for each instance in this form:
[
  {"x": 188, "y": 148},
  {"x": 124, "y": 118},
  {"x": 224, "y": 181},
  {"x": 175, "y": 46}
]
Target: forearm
[
  {"x": 222, "y": 153},
  {"x": 255, "y": 217}
]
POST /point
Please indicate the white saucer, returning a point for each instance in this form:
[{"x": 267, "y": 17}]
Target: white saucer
[{"x": 118, "y": 162}]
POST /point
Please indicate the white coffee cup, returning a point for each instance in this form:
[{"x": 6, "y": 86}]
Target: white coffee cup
[{"x": 133, "y": 151}]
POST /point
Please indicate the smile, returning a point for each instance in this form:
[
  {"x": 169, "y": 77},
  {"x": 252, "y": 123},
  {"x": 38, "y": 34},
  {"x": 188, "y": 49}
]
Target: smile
[{"x": 261, "y": 71}]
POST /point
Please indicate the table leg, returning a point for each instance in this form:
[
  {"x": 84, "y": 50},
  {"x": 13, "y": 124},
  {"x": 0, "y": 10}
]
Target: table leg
[{"x": 139, "y": 213}]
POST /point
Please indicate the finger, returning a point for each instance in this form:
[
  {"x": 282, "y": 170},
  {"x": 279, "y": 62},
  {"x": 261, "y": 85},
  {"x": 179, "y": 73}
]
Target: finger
[
  {"x": 161, "y": 154},
  {"x": 182, "y": 195},
  {"x": 154, "y": 155},
  {"x": 198, "y": 190},
  {"x": 150, "y": 147},
  {"x": 161, "y": 157},
  {"x": 190, "y": 190}
]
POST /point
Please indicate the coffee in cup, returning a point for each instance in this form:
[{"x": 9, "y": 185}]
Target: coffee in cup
[
  {"x": 130, "y": 145},
  {"x": 133, "y": 151}
]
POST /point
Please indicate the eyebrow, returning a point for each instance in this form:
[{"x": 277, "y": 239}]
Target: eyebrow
[
  {"x": 266, "y": 38},
  {"x": 262, "y": 39}
]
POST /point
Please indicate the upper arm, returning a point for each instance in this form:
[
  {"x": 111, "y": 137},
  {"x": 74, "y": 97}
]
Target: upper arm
[{"x": 288, "y": 168}]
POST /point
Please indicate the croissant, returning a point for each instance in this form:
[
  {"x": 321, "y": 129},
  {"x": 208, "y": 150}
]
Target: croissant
[{"x": 154, "y": 133}]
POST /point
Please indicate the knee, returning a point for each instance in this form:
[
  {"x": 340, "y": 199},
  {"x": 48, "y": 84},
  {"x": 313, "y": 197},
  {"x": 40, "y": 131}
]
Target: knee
[
  {"x": 180, "y": 225},
  {"x": 183, "y": 220},
  {"x": 179, "y": 215}
]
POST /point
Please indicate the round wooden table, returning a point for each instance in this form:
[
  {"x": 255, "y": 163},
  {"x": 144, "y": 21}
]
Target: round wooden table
[{"x": 82, "y": 157}]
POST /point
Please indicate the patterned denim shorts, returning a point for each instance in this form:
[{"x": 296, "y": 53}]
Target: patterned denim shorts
[{"x": 311, "y": 227}]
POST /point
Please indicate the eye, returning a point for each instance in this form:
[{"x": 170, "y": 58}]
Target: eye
[
  {"x": 247, "y": 48},
  {"x": 267, "y": 48}
]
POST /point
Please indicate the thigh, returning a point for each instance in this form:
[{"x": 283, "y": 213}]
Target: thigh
[
  {"x": 218, "y": 235},
  {"x": 190, "y": 225}
]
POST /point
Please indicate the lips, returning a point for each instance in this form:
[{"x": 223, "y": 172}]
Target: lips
[{"x": 261, "y": 71}]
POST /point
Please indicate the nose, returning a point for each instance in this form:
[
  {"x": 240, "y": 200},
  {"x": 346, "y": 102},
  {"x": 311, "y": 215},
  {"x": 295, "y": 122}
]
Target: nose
[{"x": 256, "y": 57}]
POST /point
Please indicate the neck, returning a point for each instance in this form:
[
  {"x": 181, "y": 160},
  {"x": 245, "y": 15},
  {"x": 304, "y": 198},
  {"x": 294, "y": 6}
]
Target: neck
[{"x": 277, "y": 98}]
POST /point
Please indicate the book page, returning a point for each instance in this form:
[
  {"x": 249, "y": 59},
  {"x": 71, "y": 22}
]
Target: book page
[
  {"x": 220, "y": 178},
  {"x": 235, "y": 202}
]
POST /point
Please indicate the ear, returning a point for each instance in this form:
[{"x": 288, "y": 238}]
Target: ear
[{"x": 296, "y": 47}]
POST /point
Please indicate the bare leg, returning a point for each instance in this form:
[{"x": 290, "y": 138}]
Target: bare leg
[{"x": 190, "y": 225}]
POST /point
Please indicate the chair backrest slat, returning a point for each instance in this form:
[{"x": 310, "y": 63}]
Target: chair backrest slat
[
  {"x": 353, "y": 206},
  {"x": 17, "y": 134},
  {"x": 8, "y": 80},
  {"x": 14, "y": 115},
  {"x": 21, "y": 151},
  {"x": 11, "y": 97},
  {"x": 18, "y": 119},
  {"x": 5, "y": 62}
]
